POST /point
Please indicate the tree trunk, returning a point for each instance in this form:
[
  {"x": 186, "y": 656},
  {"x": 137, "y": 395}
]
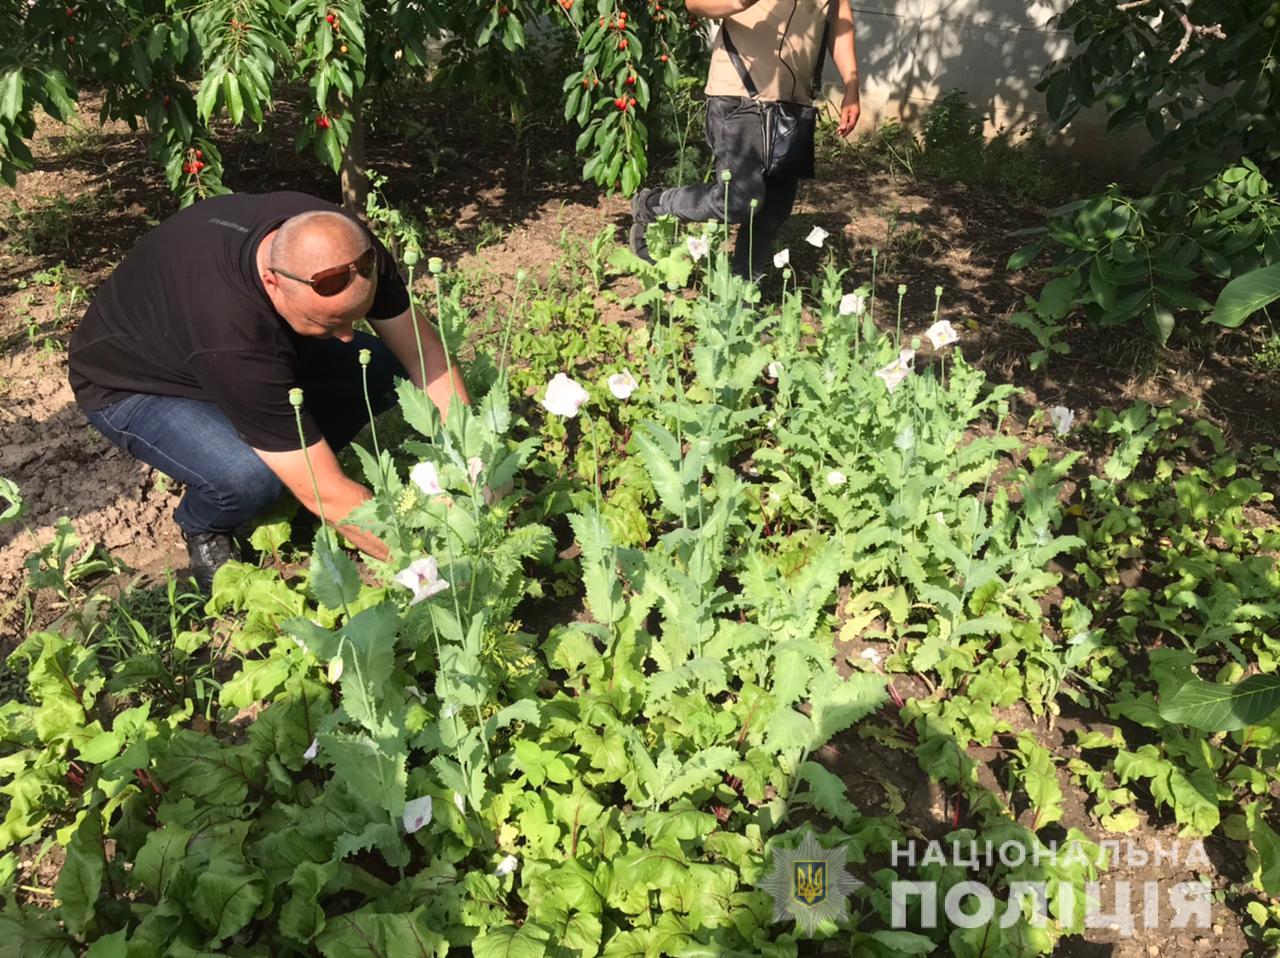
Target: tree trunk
[{"x": 354, "y": 179}]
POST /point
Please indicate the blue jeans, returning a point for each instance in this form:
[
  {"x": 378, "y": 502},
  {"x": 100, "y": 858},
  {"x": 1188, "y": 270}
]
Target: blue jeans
[{"x": 193, "y": 442}]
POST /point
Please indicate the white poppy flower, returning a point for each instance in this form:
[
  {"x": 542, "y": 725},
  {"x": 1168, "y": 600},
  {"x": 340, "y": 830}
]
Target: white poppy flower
[
  {"x": 449, "y": 711},
  {"x": 836, "y": 478},
  {"x": 422, "y": 578},
  {"x": 417, "y": 813},
  {"x": 1062, "y": 418},
  {"x": 898, "y": 370},
  {"x": 773, "y": 370},
  {"x": 871, "y": 655},
  {"x": 564, "y": 396},
  {"x": 853, "y": 304},
  {"x": 312, "y": 750},
  {"x": 475, "y": 466},
  {"x": 335, "y": 669},
  {"x": 460, "y": 802},
  {"x": 623, "y": 384},
  {"x": 425, "y": 477},
  {"x": 418, "y": 694},
  {"x": 906, "y": 439},
  {"x": 781, "y": 258},
  {"x": 817, "y": 236},
  {"x": 698, "y": 246},
  {"x": 506, "y": 866},
  {"x": 941, "y": 334}
]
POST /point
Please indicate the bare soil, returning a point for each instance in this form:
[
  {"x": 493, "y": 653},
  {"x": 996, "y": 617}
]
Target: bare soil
[{"x": 499, "y": 207}]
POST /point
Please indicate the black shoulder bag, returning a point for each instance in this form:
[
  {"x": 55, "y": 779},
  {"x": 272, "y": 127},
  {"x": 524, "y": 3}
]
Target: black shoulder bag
[{"x": 788, "y": 127}]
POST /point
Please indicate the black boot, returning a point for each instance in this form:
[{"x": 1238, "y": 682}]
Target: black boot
[{"x": 209, "y": 552}]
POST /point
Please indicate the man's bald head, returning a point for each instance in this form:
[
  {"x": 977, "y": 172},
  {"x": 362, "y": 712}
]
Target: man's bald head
[{"x": 316, "y": 240}]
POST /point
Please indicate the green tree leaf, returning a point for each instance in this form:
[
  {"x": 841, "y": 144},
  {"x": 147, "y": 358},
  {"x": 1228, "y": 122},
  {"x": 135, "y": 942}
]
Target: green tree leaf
[{"x": 1245, "y": 295}]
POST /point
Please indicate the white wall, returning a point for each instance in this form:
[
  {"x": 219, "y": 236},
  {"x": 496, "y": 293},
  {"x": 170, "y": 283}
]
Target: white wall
[{"x": 911, "y": 52}]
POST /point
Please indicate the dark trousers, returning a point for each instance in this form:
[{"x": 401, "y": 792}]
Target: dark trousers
[
  {"x": 736, "y": 137},
  {"x": 227, "y": 484}
]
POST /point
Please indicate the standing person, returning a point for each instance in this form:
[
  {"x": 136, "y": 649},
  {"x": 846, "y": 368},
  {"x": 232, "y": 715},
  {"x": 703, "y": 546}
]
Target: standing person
[
  {"x": 186, "y": 358},
  {"x": 779, "y": 52}
]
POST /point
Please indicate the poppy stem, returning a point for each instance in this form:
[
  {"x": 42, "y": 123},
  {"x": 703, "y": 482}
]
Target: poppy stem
[
  {"x": 417, "y": 333},
  {"x": 295, "y": 399},
  {"x": 875, "y": 256},
  {"x": 506, "y": 332}
]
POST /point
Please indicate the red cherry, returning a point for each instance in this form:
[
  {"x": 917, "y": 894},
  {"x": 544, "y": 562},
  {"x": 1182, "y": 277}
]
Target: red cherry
[
  {"x": 71, "y": 41},
  {"x": 199, "y": 154},
  {"x": 322, "y": 122},
  {"x": 631, "y": 81},
  {"x": 662, "y": 59},
  {"x": 631, "y": 102},
  {"x": 622, "y": 44},
  {"x": 199, "y": 166},
  {"x": 71, "y": 11},
  {"x": 620, "y": 103},
  {"x": 330, "y": 18}
]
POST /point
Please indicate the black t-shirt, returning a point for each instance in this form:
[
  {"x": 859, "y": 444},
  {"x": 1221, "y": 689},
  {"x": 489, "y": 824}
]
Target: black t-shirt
[{"x": 186, "y": 314}]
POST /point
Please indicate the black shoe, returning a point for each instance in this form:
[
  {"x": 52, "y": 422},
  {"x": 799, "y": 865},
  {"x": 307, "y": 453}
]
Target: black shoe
[
  {"x": 642, "y": 214},
  {"x": 209, "y": 552}
]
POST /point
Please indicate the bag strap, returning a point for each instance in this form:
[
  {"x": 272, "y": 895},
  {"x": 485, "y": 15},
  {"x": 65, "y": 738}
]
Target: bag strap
[
  {"x": 815, "y": 87},
  {"x": 736, "y": 59}
]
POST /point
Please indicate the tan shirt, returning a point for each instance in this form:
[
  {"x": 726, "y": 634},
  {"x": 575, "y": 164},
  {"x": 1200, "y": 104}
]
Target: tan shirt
[{"x": 792, "y": 28}]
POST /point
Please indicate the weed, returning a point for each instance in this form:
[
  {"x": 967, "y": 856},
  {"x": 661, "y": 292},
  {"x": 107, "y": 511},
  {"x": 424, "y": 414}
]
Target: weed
[
  {"x": 55, "y": 224},
  {"x": 952, "y": 146},
  {"x": 80, "y": 141},
  {"x": 67, "y": 295},
  {"x": 1268, "y": 355}
]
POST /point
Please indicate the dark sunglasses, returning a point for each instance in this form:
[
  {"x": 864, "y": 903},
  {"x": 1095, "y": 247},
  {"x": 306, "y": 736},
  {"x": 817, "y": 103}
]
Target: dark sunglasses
[{"x": 332, "y": 281}]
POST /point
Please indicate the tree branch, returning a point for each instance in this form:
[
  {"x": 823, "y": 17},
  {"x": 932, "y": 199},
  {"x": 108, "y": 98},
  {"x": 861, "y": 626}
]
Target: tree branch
[{"x": 1190, "y": 30}]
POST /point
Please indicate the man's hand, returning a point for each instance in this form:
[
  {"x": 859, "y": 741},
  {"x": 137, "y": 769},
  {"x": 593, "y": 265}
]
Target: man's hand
[
  {"x": 844, "y": 51},
  {"x": 849, "y": 114},
  {"x": 338, "y": 494}
]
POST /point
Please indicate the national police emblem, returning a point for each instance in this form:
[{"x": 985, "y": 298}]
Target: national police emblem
[{"x": 809, "y": 884}]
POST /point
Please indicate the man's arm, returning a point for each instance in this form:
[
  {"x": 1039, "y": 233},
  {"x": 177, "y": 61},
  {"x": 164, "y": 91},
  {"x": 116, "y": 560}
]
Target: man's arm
[
  {"x": 398, "y": 334},
  {"x": 844, "y": 53},
  {"x": 338, "y": 494},
  {"x": 717, "y": 9}
]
